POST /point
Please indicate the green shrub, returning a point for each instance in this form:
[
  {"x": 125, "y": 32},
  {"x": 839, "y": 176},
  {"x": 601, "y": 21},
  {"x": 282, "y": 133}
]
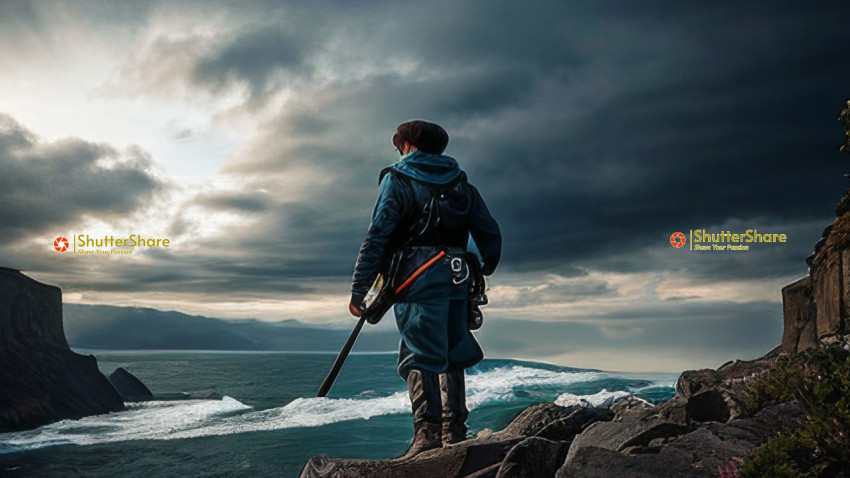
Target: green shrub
[
  {"x": 820, "y": 381},
  {"x": 786, "y": 456}
]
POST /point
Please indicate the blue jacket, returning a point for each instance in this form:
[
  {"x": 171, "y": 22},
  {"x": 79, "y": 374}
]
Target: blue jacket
[{"x": 399, "y": 199}]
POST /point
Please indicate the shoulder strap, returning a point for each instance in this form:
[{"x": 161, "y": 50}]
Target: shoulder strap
[
  {"x": 388, "y": 169},
  {"x": 422, "y": 222}
]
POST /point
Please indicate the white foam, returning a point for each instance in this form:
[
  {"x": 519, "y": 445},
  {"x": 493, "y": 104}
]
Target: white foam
[
  {"x": 601, "y": 399},
  {"x": 303, "y": 412},
  {"x": 499, "y": 384},
  {"x": 168, "y": 420},
  {"x": 146, "y": 420}
]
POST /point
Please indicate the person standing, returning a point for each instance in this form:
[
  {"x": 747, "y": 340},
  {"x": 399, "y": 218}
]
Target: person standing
[{"x": 425, "y": 205}]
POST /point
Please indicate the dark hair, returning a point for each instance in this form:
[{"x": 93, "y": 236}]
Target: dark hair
[{"x": 427, "y": 137}]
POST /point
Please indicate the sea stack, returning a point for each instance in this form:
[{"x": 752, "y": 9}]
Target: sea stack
[
  {"x": 129, "y": 387},
  {"x": 41, "y": 379}
]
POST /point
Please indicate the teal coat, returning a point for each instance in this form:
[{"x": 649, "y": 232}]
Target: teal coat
[{"x": 431, "y": 316}]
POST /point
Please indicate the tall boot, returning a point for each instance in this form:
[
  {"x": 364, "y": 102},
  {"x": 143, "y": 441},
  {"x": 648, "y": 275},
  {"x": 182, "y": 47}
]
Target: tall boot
[
  {"x": 455, "y": 413},
  {"x": 424, "y": 389}
]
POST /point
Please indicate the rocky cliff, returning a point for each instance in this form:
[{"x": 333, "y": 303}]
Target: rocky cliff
[
  {"x": 41, "y": 379},
  {"x": 818, "y": 305}
]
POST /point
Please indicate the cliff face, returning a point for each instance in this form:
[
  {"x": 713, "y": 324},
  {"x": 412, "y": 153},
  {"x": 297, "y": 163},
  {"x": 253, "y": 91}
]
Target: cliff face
[
  {"x": 818, "y": 305},
  {"x": 41, "y": 379}
]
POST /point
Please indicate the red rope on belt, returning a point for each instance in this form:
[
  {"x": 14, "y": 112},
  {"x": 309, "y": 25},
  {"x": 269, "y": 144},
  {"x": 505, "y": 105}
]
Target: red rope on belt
[{"x": 420, "y": 271}]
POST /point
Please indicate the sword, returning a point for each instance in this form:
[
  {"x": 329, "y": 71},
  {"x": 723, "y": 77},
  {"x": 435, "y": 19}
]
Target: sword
[
  {"x": 374, "y": 312},
  {"x": 340, "y": 359}
]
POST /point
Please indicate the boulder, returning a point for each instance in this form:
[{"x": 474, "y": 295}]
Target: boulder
[
  {"x": 534, "y": 457},
  {"x": 129, "y": 387},
  {"x": 629, "y": 405},
  {"x": 543, "y": 416},
  {"x": 697, "y": 451},
  {"x": 629, "y": 431},
  {"x": 722, "y": 394}
]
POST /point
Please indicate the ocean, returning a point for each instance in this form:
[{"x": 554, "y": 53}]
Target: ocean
[{"x": 269, "y": 422}]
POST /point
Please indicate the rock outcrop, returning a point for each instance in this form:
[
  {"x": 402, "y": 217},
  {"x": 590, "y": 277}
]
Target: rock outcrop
[
  {"x": 818, "y": 305},
  {"x": 707, "y": 424},
  {"x": 694, "y": 451},
  {"x": 129, "y": 387},
  {"x": 41, "y": 379}
]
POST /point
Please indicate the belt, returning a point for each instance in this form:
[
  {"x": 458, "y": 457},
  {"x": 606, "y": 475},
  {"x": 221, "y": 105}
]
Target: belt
[{"x": 455, "y": 255}]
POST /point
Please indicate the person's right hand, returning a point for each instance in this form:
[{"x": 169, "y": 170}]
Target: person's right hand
[{"x": 355, "y": 311}]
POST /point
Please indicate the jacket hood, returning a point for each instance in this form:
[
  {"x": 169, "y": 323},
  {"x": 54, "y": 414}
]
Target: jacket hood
[{"x": 427, "y": 167}]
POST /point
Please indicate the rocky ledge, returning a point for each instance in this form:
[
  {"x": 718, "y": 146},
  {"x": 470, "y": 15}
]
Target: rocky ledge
[{"x": 706, "y": 428}]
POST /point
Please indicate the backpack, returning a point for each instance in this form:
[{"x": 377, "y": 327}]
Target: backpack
[{"x": 442, "y": 219}]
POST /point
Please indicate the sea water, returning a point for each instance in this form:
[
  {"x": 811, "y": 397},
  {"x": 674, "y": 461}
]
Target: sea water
[{"x": 270, "y": 422}]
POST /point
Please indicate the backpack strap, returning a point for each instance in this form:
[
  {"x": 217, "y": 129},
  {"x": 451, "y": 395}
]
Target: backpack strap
[{"x": 388, "y": 169}]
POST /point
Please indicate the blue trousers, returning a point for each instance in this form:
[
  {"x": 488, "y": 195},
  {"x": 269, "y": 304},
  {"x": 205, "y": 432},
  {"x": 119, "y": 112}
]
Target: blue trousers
[{"x": 431, "y": 317}]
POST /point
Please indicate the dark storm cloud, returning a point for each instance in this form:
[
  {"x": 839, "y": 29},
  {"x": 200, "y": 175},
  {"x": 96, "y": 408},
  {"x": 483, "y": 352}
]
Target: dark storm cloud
[
  {"x": 45, "y": 186},
  {"x": 733, "y": 119},
  {"x": 253, "y": 58},
  {"x": 593, "y": 129}
]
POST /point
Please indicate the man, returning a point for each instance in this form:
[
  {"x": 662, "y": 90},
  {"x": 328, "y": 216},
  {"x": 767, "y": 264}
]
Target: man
[{"x": 424, "y": 206}]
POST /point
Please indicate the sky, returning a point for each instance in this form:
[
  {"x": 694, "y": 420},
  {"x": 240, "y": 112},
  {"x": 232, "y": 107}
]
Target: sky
[{"x": 250, "y": 134}]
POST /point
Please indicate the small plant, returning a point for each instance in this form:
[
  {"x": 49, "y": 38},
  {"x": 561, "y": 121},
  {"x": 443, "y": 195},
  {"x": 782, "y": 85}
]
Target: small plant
[{"x": 777, "y": 386}]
